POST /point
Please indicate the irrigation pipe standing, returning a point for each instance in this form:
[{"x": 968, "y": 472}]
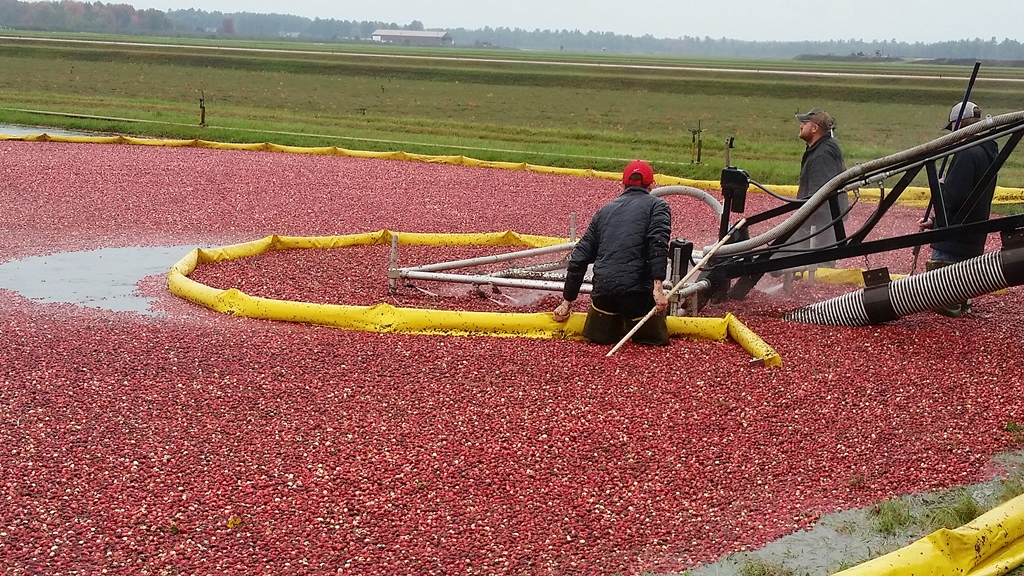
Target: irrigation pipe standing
[{"x": 680, "y": 284}]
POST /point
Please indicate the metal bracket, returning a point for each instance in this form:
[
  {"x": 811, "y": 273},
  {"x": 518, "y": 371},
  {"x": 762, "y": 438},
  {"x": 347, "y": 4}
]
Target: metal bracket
[
  {"x": 1012, "y": 238},
  {"x": 876, "y": 278},
  {"x": 877, "y": 303}
]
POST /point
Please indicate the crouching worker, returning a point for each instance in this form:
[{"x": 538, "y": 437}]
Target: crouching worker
[{"x": 627, "y": 242}]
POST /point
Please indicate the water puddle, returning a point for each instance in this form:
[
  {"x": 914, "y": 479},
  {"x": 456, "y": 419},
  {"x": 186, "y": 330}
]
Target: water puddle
[
  {"x": 19, "y": 130},
  {"x": 103, "y": 278}
]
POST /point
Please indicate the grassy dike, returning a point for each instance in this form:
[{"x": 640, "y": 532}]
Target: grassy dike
[{"x": 573, "y": 110}]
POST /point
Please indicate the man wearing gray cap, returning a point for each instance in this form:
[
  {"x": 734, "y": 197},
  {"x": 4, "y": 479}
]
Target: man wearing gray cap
[
  {"x": 966, "y": 171},
  {"x": 822, "y": 161}
]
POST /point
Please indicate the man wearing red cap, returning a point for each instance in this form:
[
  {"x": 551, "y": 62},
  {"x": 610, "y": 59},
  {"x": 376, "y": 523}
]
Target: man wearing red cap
[{"x": 627, "y": 242}]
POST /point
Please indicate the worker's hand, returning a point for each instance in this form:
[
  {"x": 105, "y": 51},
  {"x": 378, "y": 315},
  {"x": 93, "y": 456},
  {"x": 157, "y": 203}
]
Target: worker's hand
[
  {"x": 561, "y": 313},
  {"x": 660, "y": 300},
  {"x": 926, "y": 224}
]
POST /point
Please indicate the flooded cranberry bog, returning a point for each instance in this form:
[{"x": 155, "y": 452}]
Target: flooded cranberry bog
[{"x": 181, "y": 440}]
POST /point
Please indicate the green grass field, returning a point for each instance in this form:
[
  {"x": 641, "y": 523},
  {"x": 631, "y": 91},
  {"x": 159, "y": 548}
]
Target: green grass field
[{"x": 574, "y": 110}]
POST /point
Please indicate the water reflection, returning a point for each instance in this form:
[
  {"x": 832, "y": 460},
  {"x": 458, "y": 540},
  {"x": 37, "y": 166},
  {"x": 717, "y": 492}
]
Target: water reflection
[
  {"x": 103, "y": 278},
  {"x": 19, "y": 130}
]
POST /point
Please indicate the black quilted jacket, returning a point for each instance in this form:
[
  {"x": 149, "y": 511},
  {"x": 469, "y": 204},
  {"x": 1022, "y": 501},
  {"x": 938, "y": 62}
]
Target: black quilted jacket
[{"x": 627, "y": 242}]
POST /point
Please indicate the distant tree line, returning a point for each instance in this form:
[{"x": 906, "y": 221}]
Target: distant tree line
[
  {"x": 72, "y": 15},
  {"x": 81, "y": 17},
  {"x": 251, "y": 25},
  {"x": 991, "y": 49}
]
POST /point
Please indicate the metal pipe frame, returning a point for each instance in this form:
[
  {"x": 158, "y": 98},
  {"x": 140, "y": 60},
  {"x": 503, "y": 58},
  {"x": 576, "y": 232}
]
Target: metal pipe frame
[
  {"x": 491, "y": 259},
  {"x": 529, "y": 271},
  {"x": 483, "y": 280},
  {"x": 537, "y": 276}
]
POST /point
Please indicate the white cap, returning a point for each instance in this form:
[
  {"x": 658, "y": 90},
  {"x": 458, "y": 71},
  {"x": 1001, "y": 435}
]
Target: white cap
[{"x": 971, "y": 110}]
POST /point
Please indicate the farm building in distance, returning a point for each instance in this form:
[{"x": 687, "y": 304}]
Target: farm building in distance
[{"x": 413, "y": 37}]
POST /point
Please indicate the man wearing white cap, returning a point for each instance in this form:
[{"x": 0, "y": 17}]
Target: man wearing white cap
[{"x": 966, "y": 170}]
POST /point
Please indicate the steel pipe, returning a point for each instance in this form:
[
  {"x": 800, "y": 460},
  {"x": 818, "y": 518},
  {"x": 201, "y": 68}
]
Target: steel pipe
[
  {"x": 692, "y": 192},
  {"x": 530, "y": 270},
  {"x": 488, "y": 280},
  {"x": 492, "y": 259}
]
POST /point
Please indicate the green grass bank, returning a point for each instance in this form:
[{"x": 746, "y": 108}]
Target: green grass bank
[{"x": 572, "y": 110}]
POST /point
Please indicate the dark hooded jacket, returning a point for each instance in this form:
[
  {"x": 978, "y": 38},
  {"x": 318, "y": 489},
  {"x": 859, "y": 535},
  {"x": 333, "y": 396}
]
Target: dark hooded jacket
[{"x": 627, "y": 242}]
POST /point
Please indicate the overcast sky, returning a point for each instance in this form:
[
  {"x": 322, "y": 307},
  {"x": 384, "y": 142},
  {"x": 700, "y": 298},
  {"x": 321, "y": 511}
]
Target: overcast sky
[{"x": 904, "y": 20}]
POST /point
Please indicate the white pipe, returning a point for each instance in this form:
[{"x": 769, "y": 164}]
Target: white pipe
[
  {"x": 883, "y": 176},
  {"x": 491, "y": 280},
  {"x": 697, "y": 193},
  {"x": 492, "y": 259},
  {"x": 530, "y": 270},
  {"x": 691, "y": 289}
]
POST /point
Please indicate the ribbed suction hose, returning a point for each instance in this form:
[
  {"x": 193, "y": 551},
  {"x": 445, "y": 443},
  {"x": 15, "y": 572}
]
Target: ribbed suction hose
[{"x": 942, "y": 287}]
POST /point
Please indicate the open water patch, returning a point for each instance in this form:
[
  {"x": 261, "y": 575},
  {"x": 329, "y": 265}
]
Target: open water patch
[
  {"x": 105, "y": 278},
  {"x": 19, "y": 130}
]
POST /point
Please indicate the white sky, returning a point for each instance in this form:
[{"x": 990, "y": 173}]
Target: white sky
[{"x": 903, "y": 20}]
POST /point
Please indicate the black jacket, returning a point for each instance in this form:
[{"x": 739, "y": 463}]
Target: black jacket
[
  {"x": 965, "y": 171},
  {"x": 820, "y": 163},
  {"x": 627, "y": 242}
]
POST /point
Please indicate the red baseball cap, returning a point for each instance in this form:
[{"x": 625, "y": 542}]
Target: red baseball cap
[{"x": 638, "y": 167}]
